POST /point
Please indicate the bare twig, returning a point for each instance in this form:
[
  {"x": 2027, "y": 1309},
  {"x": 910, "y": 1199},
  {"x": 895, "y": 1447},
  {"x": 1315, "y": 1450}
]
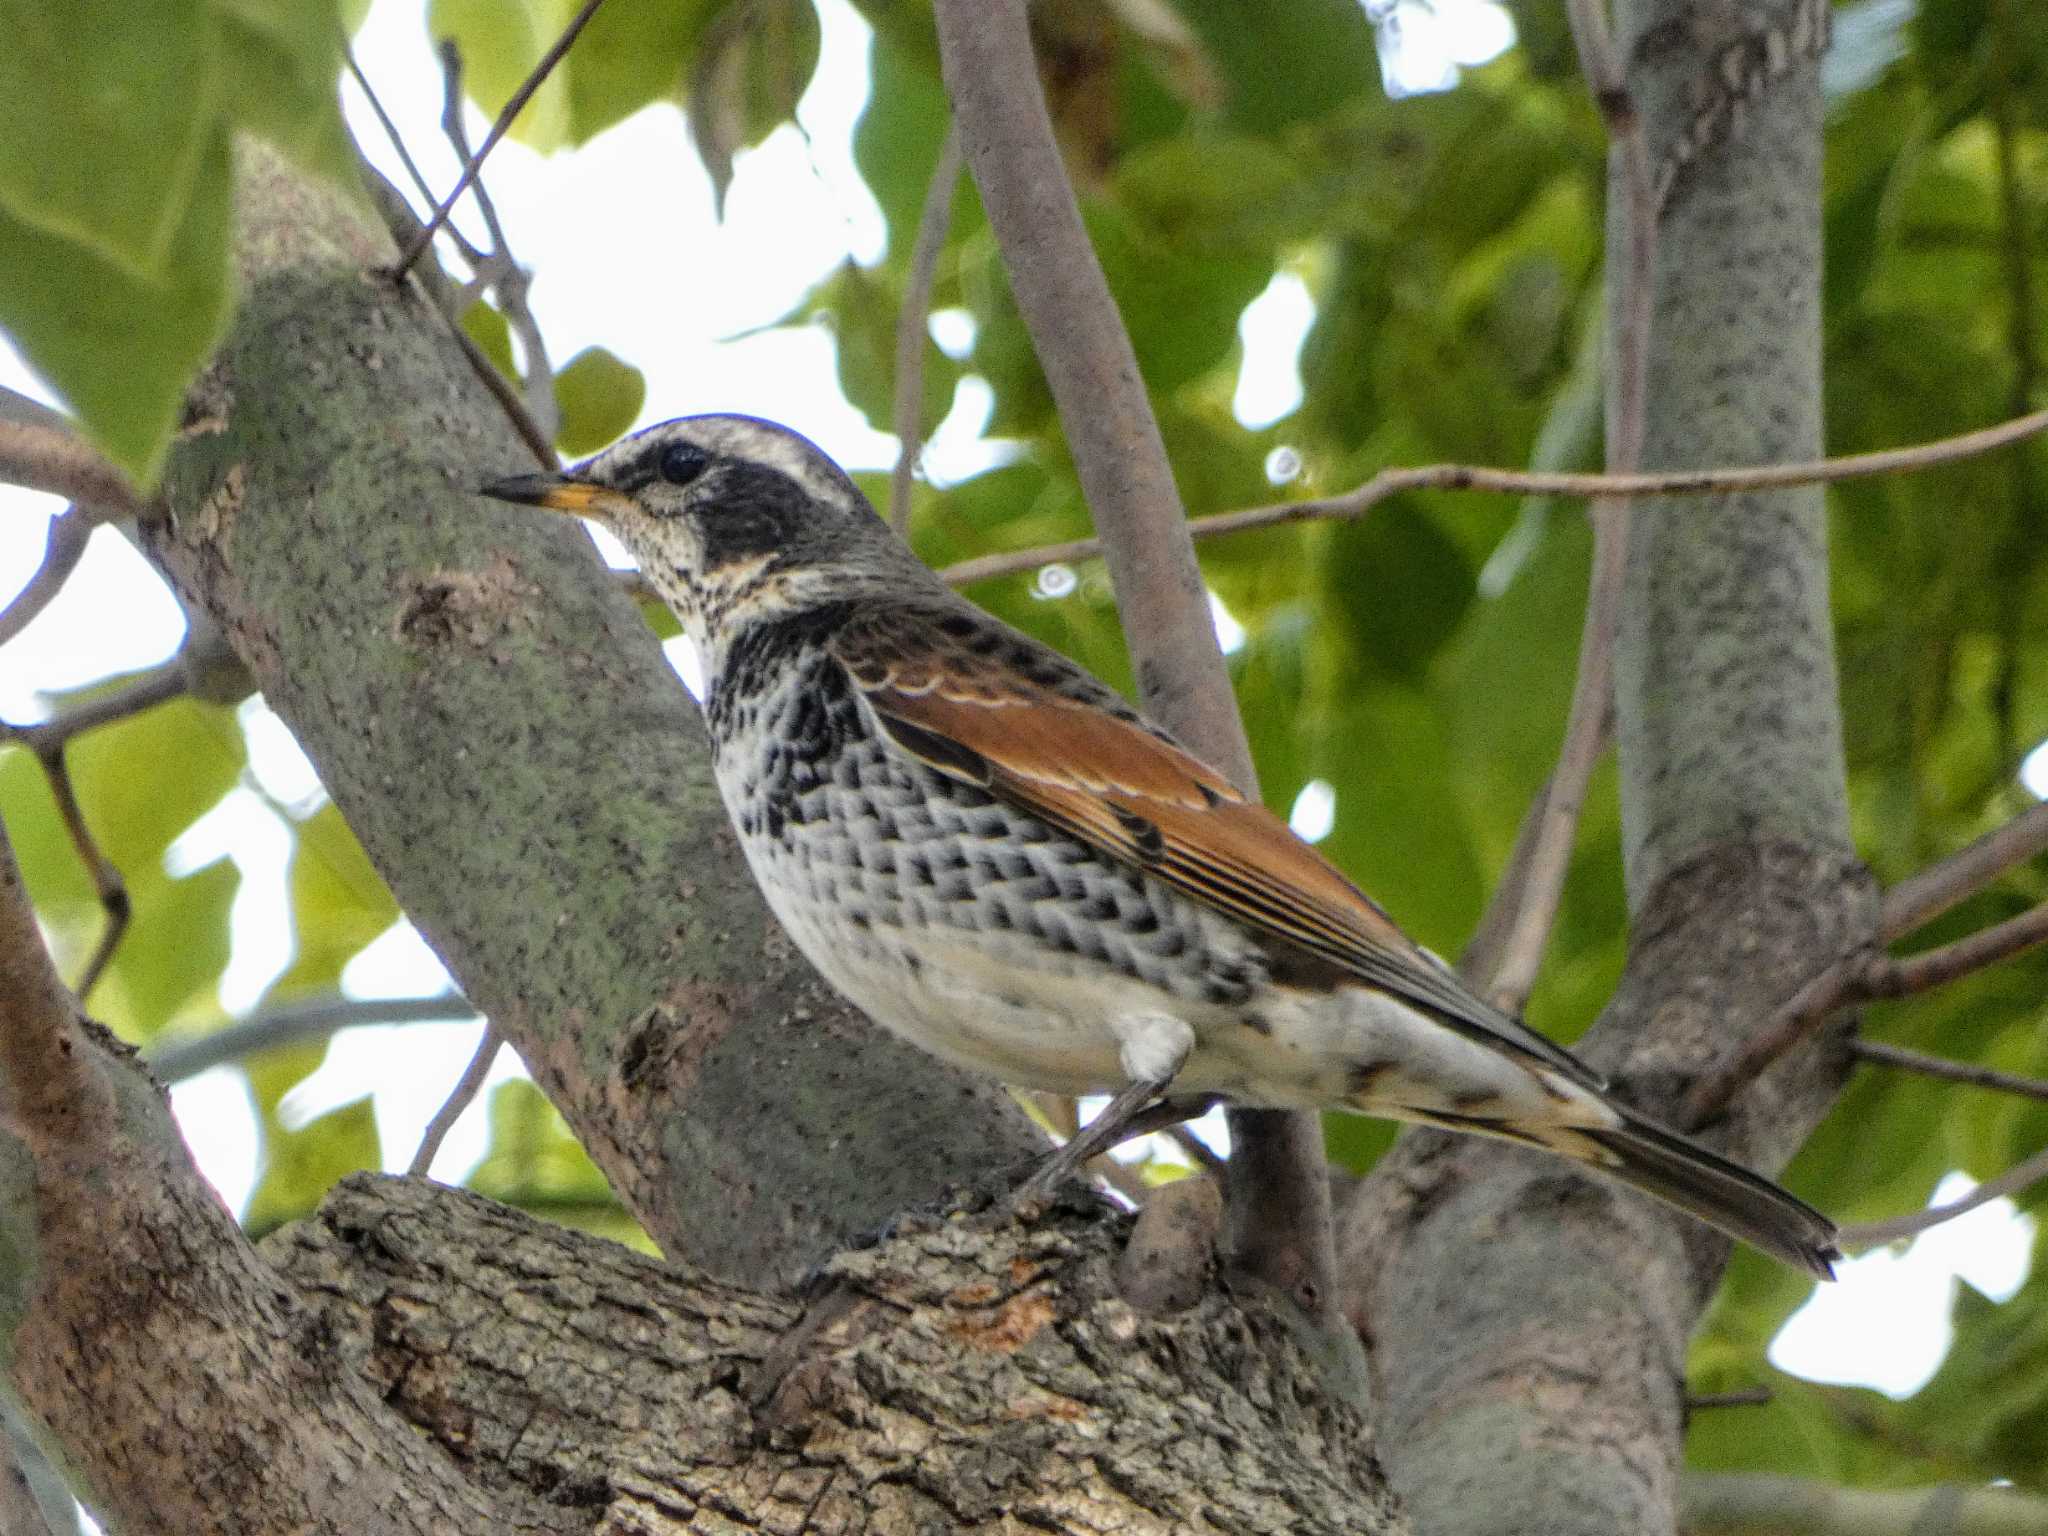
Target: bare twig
[
  {"x": 1199, "y": 1152},
  {"x": 469, "y": 252},
  {"x": 912, "y": 321},
  {"x": 1280, "y": 1201},
  {"x": 520, "y": 97},
  {"x": 497, "y": 267},
  {"x": 1860, "y": 978},
  {"x": 59, "y": 461},
  {"x": 1357, "y": 503},
  {"x": 1746, "y": 1397},
  {"x": 1879, "y": 1053},
  {"x": 294, "y": 1023},
  {"x": 70, "y": 531},
  {"x": 459, "y": 1098},
  {"x": 1875, "y": 1234},
  {"x": 48, "y": 742},
  {"x": 1920, "y": 898},
  {"x": 1541, "y": 885}
]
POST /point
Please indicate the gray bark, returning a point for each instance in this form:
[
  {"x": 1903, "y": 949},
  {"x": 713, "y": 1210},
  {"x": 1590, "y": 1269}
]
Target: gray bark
[
  {"x": 504, "y": 735},
  {"x": 1528, "y": 1328}
]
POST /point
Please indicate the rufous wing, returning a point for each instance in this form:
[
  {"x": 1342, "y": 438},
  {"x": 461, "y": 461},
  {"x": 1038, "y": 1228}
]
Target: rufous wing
[{"x": 1040, "y": 741}]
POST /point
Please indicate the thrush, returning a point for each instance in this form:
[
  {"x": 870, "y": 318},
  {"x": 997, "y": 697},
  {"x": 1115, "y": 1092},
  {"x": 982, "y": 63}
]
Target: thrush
[{"x": 991, "y": 853}]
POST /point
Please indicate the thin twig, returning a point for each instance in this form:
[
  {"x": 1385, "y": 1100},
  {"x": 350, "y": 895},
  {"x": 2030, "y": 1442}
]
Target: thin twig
[
  {"x": 70, "y": 531},
  {"x": 459, "y": 1098},
  {"x": 1880, "y": 1053},
  {"x": 295, "y": 1023},
  {"x": 913, "y": 320},
  {"x": 1920, "y": 898},
  {"x": 59, "y": 461},
  {"x": 1357, "y": 503},
  {"x": 1745, "y": 1397},
  {"x": 1875, "y": 1234},
  {"x": 1932, "y": 968},
  {"x": 1541, "y": 887},
  {"x": 520, "y": 97},
  {"x": 505, "y": 276},
  {"x": 469, "y": 252}
]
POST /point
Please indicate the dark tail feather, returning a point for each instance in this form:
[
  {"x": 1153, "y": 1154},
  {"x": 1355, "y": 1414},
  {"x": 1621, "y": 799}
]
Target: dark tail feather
[{"x": 1707, "y": 1185}]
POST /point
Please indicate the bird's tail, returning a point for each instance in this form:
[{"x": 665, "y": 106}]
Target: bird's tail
[{"x": 1644, "y": 1155}]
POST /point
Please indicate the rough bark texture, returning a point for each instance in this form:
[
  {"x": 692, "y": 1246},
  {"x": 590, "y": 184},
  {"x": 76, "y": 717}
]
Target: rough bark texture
[
  {"x": 1527, "y": 1326},
  {"x": 953, "y": 1378},
  {"x": 505, "y": 737},
  {"x": 1727, "y": 716}
]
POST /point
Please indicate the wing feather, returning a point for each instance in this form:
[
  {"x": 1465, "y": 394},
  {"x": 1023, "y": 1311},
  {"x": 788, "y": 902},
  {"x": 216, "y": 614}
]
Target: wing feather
[{"x": 990, "y": 707}]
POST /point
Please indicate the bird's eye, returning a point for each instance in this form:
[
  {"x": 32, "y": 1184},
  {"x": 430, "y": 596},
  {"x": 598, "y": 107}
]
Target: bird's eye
[{"x": 683, "y": 462}]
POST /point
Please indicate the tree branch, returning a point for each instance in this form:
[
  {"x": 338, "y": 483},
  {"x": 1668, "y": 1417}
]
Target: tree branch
[
  {"x": 460, "y": 1097},
  {"x": 1860, "y": 978},
  {"x": 64, "y": 546},
  {"x": 1632, "y": 225},
  {"x": 1356, "y": 503},
  {"x": 173, "y": 1061},
  {"x": 913, "y": 320},
  {"x": 59, "y": 461},
  {"x": 1280, "y": 1194},
  {"x": 1875, "y": 1234},
  {"x": 1762, "y": 1504},
  {"x": 1880, "y": 1053},
  {"x": 544, "y": 67},
  {"x": 1921, "y": 898}
]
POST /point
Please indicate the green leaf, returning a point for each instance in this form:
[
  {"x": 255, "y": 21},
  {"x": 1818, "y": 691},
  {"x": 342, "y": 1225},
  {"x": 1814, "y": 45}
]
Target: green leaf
[
  {"x": 493, "y": 336},
  {"x": 120, "y": 347},
  {"x": 753, "y": 66},
  {"x": 501, "y": 42},
  {"x": 599, "y": 394},
  {"x": 108, "y": 130},
  {"x": 1400, "y": 585},
  {"x": 300, "y": 1166},
  {"x": 535, "y": 1163},
  {"x": 339, "y": 904},
  {"x": 633, "y": 52},
  {"x": 171, "y": 958},
  {"x": 1301, "y": 59},
  {"x": 284, "y": 59}
]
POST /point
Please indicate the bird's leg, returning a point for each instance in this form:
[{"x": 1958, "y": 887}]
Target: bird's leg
[{"x": 1153, "y": 1049}]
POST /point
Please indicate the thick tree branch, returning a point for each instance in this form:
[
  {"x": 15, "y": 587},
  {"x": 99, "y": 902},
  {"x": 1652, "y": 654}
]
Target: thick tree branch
[
  {"x": 1357, "y": 503},
  {"x": 1279, "y": 1193},
  {"x": 411, "y": 634},
  {"x": 130, "y": 1296},
  {"x": 1760, "y": 1504}
]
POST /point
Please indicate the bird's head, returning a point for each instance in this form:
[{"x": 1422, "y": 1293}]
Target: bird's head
[{"x": 731, "y": 519}]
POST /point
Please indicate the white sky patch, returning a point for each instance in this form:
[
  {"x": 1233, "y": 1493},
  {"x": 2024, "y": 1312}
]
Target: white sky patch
[
  {"x": 218, "y": 1120},
  {"x": 1272, "y": 328},
  {"x": 952, "y": 332},
  {"x": 1315, "y": 811},
  {"x": 682, "y": 655},
  {"x": 2034, "y": 772},
  {"x": 278, "y": 764},
  {"x": 956, "y": 450},
  {"x": 397, "y": 963},
  {"x": 1904, "y": 1298},
  {"x": 245, "y": 829},
  {"x": 1424, "y": 43},
  {"x": 1230, "y": 635}
]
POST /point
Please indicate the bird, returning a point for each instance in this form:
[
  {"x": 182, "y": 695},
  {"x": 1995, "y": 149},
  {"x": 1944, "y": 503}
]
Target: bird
[{"x": 994, "y": 855}]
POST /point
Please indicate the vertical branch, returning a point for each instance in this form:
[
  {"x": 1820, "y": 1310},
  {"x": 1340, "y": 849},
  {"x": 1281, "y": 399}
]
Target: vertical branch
[
  {"x": 912, "y": 321},
  {"x": 1280, "y": 1214},
  {"x": 1631, "y": 264}
]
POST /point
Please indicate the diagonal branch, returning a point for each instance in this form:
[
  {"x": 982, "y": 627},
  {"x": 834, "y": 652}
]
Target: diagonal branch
[
  {"x": 533, "y": 82},
  {"x": 64, "y": 546},
  {"x": 1921, "y": 898},
  {"x": 460, "y": 1097},
  {"x": 1875, "y": 1234},
  {"x": 1280, "y": 1203},
  {"x": 1356, "y": 503}
]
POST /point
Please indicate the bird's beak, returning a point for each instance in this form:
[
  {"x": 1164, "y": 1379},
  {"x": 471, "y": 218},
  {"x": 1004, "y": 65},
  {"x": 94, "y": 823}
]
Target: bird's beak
[{"x": 559, "y": 493}]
